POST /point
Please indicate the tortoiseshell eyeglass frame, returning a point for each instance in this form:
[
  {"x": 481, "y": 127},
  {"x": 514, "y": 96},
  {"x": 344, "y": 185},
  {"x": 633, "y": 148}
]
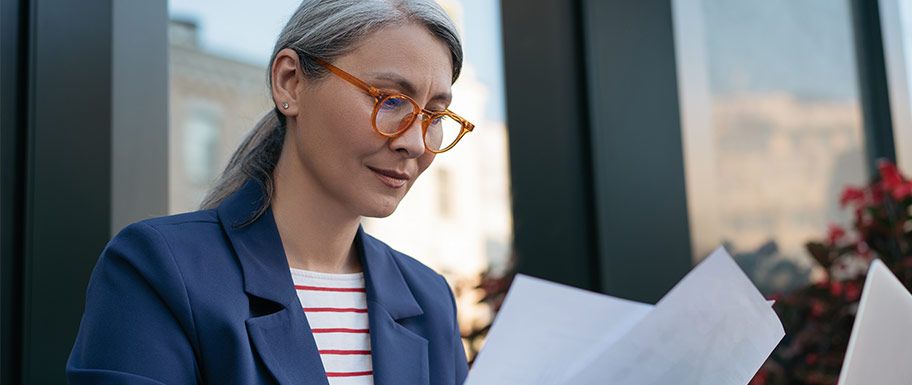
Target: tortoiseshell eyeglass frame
[{"x": 381, "y": 96}]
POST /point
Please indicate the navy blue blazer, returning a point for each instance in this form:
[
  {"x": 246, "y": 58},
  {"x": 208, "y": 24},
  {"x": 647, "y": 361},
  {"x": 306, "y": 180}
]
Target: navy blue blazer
[{"x": 193, "y": 298}]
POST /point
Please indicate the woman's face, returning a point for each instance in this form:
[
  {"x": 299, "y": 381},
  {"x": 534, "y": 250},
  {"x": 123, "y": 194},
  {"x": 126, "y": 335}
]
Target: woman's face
[{"x": 332, "y": 132}]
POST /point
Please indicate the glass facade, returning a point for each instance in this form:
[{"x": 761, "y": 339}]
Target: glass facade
[
  {"x": 896, "y": 24},
  {"x": 772, "y": 128}
]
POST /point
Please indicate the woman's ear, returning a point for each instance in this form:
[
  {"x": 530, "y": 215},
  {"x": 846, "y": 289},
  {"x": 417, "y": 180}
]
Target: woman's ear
[{"x": 287, "y": 82}]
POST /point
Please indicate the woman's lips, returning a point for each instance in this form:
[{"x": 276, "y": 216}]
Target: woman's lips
[{"x": 388, "y": 180}]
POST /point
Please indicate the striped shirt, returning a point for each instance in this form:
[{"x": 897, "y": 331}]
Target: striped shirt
[{"x": 336, "y": 309}]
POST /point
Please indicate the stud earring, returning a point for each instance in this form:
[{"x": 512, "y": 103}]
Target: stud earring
[{"x": 285, "y": 105}]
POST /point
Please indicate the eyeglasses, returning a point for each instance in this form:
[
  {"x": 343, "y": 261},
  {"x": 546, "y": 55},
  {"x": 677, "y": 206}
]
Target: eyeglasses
[{"x": 394, "y": 113}]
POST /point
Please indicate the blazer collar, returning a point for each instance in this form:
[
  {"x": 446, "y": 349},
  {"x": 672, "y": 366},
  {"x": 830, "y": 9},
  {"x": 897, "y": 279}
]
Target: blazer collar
[
  {"x": 283, "y": 338},
  {"x": 265, "y": 267}
]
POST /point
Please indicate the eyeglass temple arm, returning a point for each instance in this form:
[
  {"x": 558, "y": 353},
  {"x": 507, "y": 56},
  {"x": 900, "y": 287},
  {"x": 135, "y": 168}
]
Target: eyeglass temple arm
[
  {"x": 373, "y": 91},
  {"x": 466, "y": 125}
]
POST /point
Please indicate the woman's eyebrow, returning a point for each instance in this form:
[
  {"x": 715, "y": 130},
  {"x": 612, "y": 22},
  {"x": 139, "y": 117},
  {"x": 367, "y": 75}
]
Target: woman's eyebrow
[{"x": 408, "y": 86}]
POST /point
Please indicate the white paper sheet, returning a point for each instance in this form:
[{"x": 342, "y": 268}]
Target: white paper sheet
[
  {"x": 543, "y": 327},
  {"x": 880, "y": 347},
  {"x": 713, "y": 327}
]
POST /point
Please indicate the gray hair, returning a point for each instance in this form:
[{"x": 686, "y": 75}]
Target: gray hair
[{"x": 324, "y": 29}]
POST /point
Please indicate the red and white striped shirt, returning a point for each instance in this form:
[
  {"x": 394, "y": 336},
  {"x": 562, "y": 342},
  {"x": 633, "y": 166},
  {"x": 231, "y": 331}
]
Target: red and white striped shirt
[{"x": 336, "y": 308}]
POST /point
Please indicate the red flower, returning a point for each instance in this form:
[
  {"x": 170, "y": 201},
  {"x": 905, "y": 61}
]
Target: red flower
[
  {"x": 852, "y": 291},
  {"x": 877, "y": 193},
  {"x": 810, "y": 359},
  {"x": 853, "y": 195},
  {"x": 902, "y": 191},
  {"x": 835, "y": 234},
  {"x": 759, "y": 377},
  {"x": 890, "y": 178},
  {"x": 836, "y": 288}
]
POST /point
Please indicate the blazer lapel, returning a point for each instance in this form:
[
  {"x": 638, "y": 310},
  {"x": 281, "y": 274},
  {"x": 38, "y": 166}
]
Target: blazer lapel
[
  {"x": 281, "y": 337},
  {"x": 399, "y": 355},
  {"x": 286, "y": 346}
]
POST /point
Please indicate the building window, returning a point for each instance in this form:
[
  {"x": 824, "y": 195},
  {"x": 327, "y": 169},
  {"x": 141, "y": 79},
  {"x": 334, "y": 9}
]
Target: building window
[{"x": 201, "y": 135}]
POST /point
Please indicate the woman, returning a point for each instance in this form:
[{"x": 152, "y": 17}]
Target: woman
[{"x": 216, "y": 296}]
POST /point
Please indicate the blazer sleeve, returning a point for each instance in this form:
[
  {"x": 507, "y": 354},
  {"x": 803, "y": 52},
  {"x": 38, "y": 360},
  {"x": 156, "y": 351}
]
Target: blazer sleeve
[
  {"x": 459, "y": 355},
  {"x": 137, "y": 327}
]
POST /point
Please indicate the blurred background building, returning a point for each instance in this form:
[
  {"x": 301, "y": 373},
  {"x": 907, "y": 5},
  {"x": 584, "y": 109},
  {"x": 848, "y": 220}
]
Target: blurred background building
[
  {"x": 213, "y": 101},
  {"x": 617, "y": 143}
]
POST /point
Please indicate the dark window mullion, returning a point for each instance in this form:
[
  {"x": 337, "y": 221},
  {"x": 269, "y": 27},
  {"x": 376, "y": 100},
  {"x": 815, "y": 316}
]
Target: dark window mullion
[{"x": 873, "y": 86}]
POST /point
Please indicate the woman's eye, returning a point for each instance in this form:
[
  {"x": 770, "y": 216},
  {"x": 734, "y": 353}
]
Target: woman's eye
[{"x": 392, "y": 103}]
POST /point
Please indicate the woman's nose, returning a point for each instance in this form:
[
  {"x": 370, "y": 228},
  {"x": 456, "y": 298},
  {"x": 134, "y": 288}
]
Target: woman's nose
[{"x": 411, "y": 141}]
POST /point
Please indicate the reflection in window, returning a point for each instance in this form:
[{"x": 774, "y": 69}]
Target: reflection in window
[
  {"x": 772, "y": 128},
  {"x": 896, "y": 26}
]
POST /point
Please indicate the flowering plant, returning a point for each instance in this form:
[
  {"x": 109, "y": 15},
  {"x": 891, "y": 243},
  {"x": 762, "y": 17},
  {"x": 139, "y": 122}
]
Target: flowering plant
[
  {"x": 494, "y": 286},
  {"x": 818, "y": 319}
]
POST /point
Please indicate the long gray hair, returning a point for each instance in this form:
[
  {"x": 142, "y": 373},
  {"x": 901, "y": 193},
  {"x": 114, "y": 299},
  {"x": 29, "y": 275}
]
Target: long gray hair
[{"x": 324, "y": 29}]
